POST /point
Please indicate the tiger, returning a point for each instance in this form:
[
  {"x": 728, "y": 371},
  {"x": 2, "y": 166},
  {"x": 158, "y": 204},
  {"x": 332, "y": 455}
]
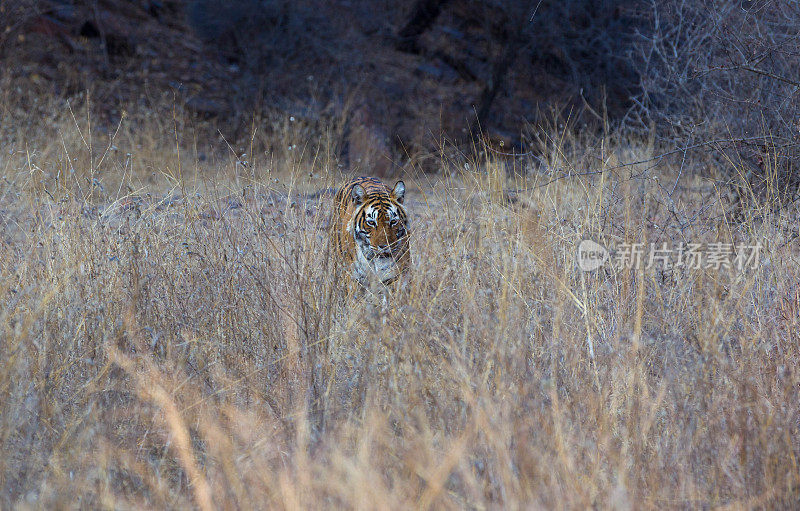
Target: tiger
[{"x": 369, "y": 231}]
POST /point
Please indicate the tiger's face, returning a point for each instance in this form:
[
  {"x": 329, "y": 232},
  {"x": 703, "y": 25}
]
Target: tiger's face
[{"x": 380, "y": 231}]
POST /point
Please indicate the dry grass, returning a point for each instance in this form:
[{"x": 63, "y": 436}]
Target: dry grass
[{"x": 176, "y": 336}]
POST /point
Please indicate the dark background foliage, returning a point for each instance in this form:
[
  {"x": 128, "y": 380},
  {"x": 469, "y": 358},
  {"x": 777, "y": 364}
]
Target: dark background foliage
[{"x": 403, "y": 73}]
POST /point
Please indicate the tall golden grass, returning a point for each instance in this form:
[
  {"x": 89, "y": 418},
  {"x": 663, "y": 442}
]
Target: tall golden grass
[{"x": 174, "y": 333}]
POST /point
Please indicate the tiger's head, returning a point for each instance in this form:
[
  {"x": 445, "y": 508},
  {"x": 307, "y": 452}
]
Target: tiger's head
[{"x": 380, "y": 230}]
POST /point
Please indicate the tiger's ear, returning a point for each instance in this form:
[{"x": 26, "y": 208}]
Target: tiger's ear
[
  {"x": 358, "y": 193},
  {"x": 399, "y": 191}
]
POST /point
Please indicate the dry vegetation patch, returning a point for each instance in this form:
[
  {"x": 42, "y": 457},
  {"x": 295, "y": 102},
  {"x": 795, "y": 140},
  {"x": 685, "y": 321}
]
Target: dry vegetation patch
[{"x": 188, "y": 343}]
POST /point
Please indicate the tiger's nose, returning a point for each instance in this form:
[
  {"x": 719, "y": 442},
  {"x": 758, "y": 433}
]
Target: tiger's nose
[{"x": 383, "y": 250}]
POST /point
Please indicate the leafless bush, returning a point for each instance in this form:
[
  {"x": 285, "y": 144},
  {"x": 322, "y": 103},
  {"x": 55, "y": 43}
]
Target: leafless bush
[{"x": 725, "y": 71}]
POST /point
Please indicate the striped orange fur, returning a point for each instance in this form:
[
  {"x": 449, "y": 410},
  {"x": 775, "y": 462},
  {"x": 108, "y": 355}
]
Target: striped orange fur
[{"x": 369, "y": 231}]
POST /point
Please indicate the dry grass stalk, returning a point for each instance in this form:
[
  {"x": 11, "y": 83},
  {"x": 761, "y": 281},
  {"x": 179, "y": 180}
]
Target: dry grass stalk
[{"x": 162, "y": 356}]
